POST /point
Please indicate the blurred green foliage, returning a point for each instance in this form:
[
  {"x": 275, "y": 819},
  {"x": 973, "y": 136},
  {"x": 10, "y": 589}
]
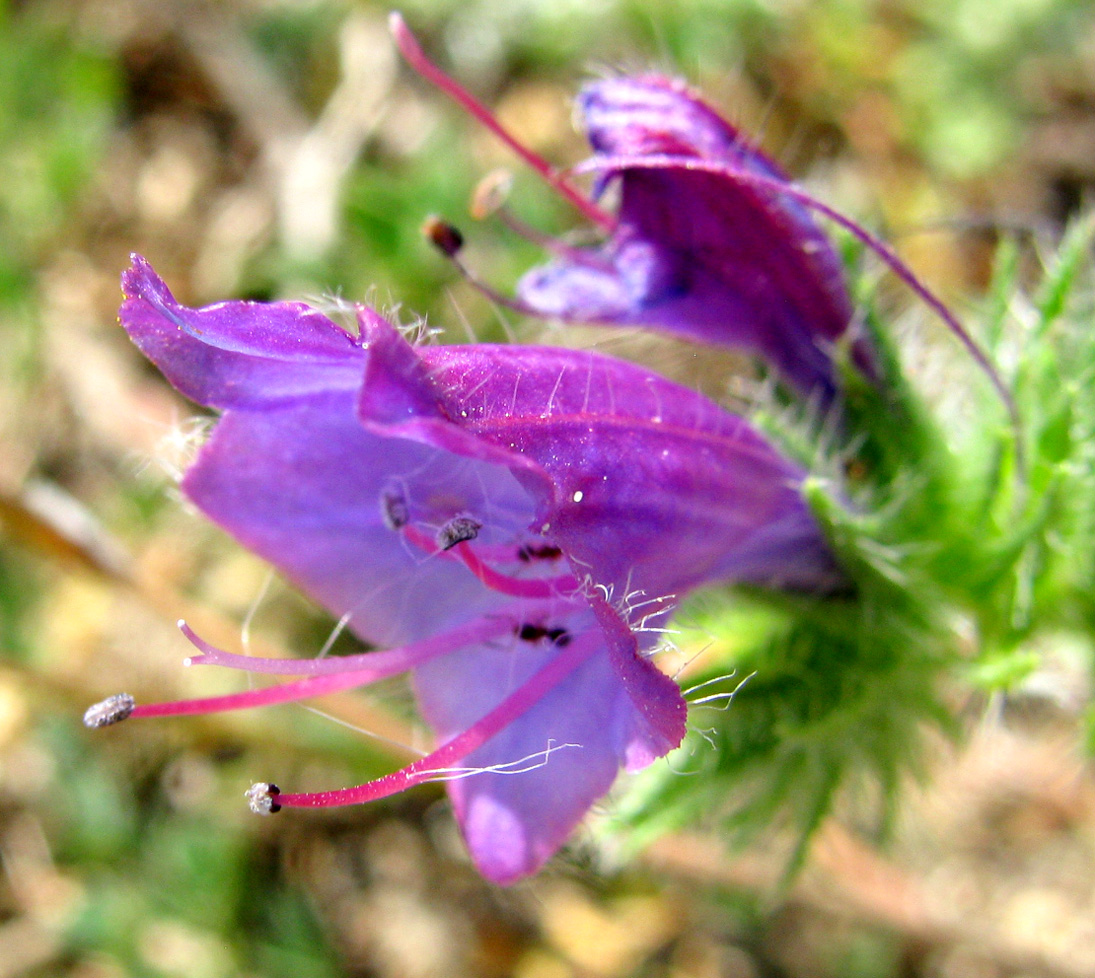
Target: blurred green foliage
[
  {"x": 58, "y": 103},
  {"x": 968, "y": 543}
]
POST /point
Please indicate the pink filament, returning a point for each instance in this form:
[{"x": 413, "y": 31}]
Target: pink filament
[
  {"x": 536, "y": 587},
  {"x": 416, "y": 58},
  {"x": 580, "y": 256},
  {"x": 435, "y": 764},
  {"x": 327, "y": 678},
  {"x": 879, "y": 247},
  {"x": 388, "y": 661}
]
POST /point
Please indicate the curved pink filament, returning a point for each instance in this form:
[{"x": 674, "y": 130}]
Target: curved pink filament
[
  {"x": 518, "y": 587},
  {"x": 429, "y": 767},
  {"x": 326, "y": 679},
  {"x": 872, "y": 241},
  {"x": 414, "y": 55},
  {"x": 392, "y": 661}
]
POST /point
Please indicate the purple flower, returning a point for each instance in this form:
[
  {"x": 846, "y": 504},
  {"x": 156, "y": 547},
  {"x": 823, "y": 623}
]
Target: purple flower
[
  {"x": 705, "y": 253},
  {"x": 711, "y": 241},
  {"x": 512, "y": 525}
]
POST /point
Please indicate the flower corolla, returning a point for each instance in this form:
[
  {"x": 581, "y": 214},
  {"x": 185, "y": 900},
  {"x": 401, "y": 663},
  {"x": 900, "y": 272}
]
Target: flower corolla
[{"x": 511, "y": 525}]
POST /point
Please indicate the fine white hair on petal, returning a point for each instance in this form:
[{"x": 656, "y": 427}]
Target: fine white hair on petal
[
  {"x": 522, "y": 765},
  {"x": 336, "y": 307}
]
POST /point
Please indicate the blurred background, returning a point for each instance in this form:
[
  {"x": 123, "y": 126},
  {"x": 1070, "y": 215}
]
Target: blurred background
[{"x": 277, "y": 148}]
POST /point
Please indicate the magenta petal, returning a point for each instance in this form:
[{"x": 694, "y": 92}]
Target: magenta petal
[
  {"x": 652, "y": 114},
  {"x": 237, "y": 354},
  {"x": 614, "y": 710},
  {"x": 626, "y": 467},
  {"x": 538, "y": 495},
  {"x": 714, "y": 258}
]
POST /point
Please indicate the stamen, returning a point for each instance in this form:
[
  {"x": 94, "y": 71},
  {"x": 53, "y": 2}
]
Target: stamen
[
  {"x": 416, "y": 58},
  {"x": 324, "y": 675},
  {"x": 262, "y": 798},
  {"x": 879, "y": 247},
  {"x": 460, "y": 529},
  {"x": 442, "y": 235},
  {"x": 393, "y": 508},
  {"x": 384, "y": 663},
  {"x": 447, "y": 239},
  {"x": 491, "y": 194},
  {"x": 535, "y": 587},
  {"x": 445, "y": 757},
  {"x": 114, "y": 709},
  {"x": 589, "y": 257},
  {"x": 488, "y": 291}
]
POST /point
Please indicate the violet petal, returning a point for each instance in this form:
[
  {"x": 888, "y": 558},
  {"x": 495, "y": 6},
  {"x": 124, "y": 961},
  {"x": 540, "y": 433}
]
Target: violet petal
[
  {"x": 574, "y": 741},
  {"x": 626, "y": 467},
  {"x": 237, "y": 354},
  {"x": 713, "y": 258}
]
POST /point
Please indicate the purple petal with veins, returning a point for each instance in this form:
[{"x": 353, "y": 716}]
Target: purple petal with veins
[
  {"x": 500, "y": 519},
  {"x": 624, "y": 465},
  {"x": 712, "y": 257}
]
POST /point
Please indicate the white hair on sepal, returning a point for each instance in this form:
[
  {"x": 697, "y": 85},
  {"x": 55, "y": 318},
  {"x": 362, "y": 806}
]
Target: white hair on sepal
[
  {"x": 665, "y": 647},
  {"x": 723, "y": 697},
  {"x": 636, "y": 599},
  {"x": 253, "y": 610},
  {"x": 177, "y": 447},
  {"x": 462, "y": 317},
  {"x": 336, "y": 307},
  {"x": 418, "y": 332},
  {"x": 804, "y": 431},
  {"x": 678, "y": 760},
  {"x": 344, "y": 312},
  {"x": 632, "y": 604},
  {"x": 415, "y": 329}
]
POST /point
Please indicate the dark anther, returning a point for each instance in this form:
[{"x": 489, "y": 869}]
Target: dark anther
[
  {"x": 544, "y": 551},
  {"x": 393, "y": 509},
  {"x": 458, "y": 530},
  {"x": 442, "y": 235},
  {"x": 533, "y": 633},
  {"x": 114, "y": 709}
]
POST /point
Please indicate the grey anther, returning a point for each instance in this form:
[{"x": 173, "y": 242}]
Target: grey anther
[
  {"x": 262, "y": 798},
  {"x": 393, "y": 509},
  {"x": 458, "y": 530},
  {"x": 114, "y": 709}
]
